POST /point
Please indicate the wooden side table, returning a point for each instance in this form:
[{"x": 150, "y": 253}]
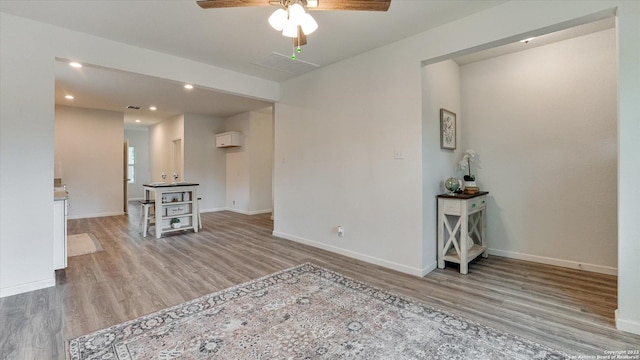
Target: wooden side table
[{"x": 470, "y": 222}]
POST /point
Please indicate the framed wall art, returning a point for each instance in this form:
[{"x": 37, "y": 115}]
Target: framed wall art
[{"x": 447, "y": 129}]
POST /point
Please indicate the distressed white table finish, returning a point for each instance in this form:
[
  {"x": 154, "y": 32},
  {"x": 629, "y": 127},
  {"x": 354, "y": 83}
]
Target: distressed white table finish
[
  {"x": 461, "y": 217},
  {"x": 187, "y": 195}
]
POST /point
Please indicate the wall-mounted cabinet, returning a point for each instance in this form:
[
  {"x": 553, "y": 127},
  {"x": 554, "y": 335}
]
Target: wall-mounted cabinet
[{"x": 229, "y": 139}]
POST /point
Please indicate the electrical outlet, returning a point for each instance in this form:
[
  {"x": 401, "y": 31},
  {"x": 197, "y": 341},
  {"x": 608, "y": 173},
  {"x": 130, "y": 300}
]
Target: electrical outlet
[
  {"x": 340, "y": 231},
  {"x": 233, "y": 202}
]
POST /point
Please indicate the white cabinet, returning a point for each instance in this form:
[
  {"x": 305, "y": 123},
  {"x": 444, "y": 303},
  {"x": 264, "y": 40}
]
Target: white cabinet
[
  {"x": 59, "y": 234},
  {"x": 229, "y": 139}
]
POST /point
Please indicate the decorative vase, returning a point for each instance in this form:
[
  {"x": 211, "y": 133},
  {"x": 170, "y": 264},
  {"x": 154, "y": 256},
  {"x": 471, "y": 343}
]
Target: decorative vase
[{"x": 175, "y": 225}]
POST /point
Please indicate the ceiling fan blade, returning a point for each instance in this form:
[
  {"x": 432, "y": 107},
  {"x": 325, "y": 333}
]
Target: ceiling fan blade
[
  {"x": 212, "y": 4},
  {"x": 301, "y": 36},
  {"x": 361, "y": 5}
]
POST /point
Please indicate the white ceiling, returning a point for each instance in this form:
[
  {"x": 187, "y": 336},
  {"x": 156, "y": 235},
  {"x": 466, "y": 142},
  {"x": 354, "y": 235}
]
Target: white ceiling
[
  {"x": 232, "y": 38},
  {"x": 107, "y": 89}
]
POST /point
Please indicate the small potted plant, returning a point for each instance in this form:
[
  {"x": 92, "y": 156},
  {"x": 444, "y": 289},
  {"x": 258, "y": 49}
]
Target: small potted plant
[{"x": 175, "y": 223}]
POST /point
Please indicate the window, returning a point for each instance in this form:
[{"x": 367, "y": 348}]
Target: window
[{"x": 131, "y": 171}]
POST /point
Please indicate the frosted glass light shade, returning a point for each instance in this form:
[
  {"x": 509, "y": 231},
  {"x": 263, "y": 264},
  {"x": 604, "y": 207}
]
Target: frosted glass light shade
[
  {"x": 278, "y": 19},
  {"x": 308, "y": 25},
  {"x": 290, "y": 29},
  {"x": 296, "y": 13}
]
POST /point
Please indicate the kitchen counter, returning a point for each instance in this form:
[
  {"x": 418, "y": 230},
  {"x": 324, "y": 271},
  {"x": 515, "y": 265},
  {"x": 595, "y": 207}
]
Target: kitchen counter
[{"x": 60, "y": 195}]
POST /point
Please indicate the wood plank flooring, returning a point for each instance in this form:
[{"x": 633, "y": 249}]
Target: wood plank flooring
[{"x": 565, "y": 309}]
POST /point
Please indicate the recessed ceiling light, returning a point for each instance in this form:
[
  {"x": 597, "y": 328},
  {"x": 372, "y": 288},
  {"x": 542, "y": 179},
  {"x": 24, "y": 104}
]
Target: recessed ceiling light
[
  {"x": 75, "y": 64},
  {"x": 69, "y": 97},
  {"x": 153, "y": 108},
  {"x": 137, "y": 120},
  {"x": 188, "y": 86},
  {"x": 526, "y": 41}
]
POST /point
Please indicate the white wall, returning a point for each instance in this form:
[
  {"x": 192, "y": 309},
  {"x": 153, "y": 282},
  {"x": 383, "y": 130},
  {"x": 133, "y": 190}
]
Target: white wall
[
  {"x": 544, "y": 124},
  {"x": 28, "y": 50},
  {"x": 139, "y": 138},
  {"x": 336, "y": 130},
  {"x": 261, "y": 161},
  {"x": 203, "y": 162},
  {"x": 250, "y": 167},
  {"x": 89, "y": 155},
  {"x": 352, "y": 150},
  {"x": 440, "y": 89},
  {"x": 628, "y": 26},
  {"x": 26, "y": 157},
  {"x": 161, "y": 138},
  {"x": 237, "y": 169}
]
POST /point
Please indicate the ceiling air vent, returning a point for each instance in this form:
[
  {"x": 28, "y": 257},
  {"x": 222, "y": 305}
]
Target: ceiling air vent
[
  {"x": 284, "y": 63},
  {"x": 131, "y": 107}
]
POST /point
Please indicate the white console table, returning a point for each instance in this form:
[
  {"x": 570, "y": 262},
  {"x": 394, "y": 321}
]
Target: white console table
[
  {"x": 468, "y": 214},
  {"x": 174, "y": 200}
]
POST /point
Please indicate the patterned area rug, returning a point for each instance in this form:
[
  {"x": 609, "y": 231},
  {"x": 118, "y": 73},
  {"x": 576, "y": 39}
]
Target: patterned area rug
[{"x": 305, "y": 312}]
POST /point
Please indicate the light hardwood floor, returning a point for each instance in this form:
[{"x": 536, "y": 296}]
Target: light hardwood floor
[{"x": 565, "y": 309}]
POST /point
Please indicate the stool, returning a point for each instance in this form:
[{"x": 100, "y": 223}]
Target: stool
[{"x": 145, "y": 216}]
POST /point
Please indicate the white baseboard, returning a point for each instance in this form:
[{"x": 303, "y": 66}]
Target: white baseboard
[
  {"x": 356, "y": 255},
  {"x": 213, "y": 210},
  {"x": 86, "y": 216},
  {"x": 23, "y": 288},
  {"x": 557, "y": 262},
  {"x": 253, "y": 212},
  {"x": 429, "y": 268},
  {"x": 626, "y": 325}
]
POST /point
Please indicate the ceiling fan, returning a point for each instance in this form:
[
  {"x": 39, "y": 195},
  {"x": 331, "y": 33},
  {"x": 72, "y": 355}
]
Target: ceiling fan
[{"x": 291, "y": 18}]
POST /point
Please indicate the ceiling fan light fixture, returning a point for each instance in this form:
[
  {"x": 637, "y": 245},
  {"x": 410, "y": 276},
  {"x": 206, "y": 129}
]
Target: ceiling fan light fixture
[
  {"x": 296, "y": 13},
  {"x": 278, "y": 19},
  {"x": 290, "y": 29},
  {"x": 309, "y": 24}
]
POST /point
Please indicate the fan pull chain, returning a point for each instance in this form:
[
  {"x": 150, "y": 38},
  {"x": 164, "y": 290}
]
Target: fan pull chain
[{"x": 298, "y": 49}]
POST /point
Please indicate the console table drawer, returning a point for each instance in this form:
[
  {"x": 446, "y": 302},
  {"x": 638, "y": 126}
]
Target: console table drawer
[
  {"x": 476, "y": 204},
  {"x": 452, "y": 207}
]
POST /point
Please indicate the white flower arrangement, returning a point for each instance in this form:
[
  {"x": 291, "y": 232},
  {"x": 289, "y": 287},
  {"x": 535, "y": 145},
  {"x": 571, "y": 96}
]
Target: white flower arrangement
[{"x": 465, "y": 164}]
